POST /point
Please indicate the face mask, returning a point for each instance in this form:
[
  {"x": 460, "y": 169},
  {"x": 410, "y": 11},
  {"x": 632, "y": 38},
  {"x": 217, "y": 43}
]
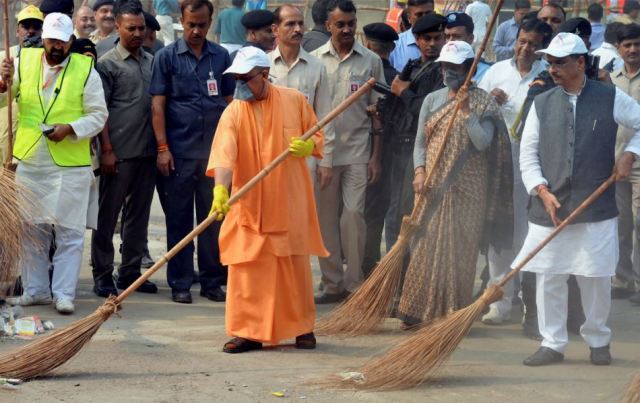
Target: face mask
[
  {"x": 454, "y": 79},
  {"x": 242, "y": 92}
]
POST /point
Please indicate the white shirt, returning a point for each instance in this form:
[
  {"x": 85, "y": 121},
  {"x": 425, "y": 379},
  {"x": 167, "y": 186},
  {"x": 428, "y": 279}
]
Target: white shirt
[
  {"x": 308, "y": 75},
  {"x": 608, "y": 52},
  {"x": 586, "y": 249},
  {"x": 505, "y": 75},
  {"x": 480, "y": 13}
]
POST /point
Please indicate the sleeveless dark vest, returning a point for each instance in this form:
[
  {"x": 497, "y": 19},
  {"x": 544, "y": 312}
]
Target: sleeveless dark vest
[{"x": 576, "y": 157}]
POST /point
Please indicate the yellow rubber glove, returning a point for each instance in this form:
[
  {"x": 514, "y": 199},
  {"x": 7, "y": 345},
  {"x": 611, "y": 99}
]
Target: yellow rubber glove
[
  {"x": 301, "y": 148},
  {"x": 220, "y": 205}
]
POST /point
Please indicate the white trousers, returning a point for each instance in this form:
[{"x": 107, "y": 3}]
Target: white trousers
[
  {"x": 167, "y": 33},
  {"x": 67, "y": 260},
  {"x": 551, "y": 298}
]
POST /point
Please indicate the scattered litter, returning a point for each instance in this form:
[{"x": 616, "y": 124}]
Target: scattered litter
[
  {"x": 244, "y": 385},
  {"x": 13, "y": 325},
  {"x": 10, "y": 383},
  {"x": 280, "y": 394},
  {"x": 352, "y": 376}
]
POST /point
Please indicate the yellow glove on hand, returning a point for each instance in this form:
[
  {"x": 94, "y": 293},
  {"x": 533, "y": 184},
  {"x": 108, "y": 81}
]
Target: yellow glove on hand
[
  {"x": 301, "y": 148},
  {"x": 220, "y": 205}
]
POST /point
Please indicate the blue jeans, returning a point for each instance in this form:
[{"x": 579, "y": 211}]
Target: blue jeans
[{"x": 185, "y": 186}]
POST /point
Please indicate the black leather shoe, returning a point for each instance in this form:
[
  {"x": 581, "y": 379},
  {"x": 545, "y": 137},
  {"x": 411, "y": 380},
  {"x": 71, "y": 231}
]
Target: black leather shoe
[
  {"x": 181, "y": 297},
  {"x": 600, "y": 355},
  {"x": 105, "y": 287},
  {"x": 544, "y": 356},
  {"x": 326, "y": 298},
  {"x": 214, "y": 294},
  {"x": 147, "y": 287}
]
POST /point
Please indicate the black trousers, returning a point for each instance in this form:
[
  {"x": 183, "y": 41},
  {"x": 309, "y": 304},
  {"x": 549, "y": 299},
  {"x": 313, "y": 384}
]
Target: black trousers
[
  {"x": 376, "y": 205},
  {"x": 188, "y": 186},
  {"x": 131, "y": 187}
]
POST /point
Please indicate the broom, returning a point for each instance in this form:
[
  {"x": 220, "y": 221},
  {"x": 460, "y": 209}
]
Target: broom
[
  {"x": 45, "y": 354},
  {"x": 414, "y": 361},
  {"x": 8, "y": 164},
  {"x": 370, "y": 304},
  {"x": 633, "y": 391}
]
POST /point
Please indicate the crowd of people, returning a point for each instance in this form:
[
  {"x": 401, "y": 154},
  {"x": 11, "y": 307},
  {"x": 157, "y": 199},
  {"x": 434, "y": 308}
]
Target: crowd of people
[{"x": 110, "y": 107}]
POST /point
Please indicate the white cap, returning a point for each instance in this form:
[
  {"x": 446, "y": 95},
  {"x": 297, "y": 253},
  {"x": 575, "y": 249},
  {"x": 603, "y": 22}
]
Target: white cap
[
  {"x": 57, "y": 26},
  {"x": 456, "y": 52},
  {"x": 565, "y": 44},
  {"x": 247, "y": 59}
]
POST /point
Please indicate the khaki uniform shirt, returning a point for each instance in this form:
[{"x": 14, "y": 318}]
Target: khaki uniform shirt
[
  {"x": 308, "y": 75},
  {"x": 4, "y": 123},
  {"x": 631, "y": 86},
  {"x": 352, "y": 145}
]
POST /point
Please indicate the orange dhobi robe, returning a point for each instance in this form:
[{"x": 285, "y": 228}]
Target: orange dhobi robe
[{"x": 269, "y": 234}]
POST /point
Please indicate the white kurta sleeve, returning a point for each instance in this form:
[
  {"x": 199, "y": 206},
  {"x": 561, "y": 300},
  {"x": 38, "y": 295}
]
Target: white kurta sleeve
[
  {"x": 95, "y": 108},
  {"x": 626, "y": 112},
  {"x": 529, "y": 157}
]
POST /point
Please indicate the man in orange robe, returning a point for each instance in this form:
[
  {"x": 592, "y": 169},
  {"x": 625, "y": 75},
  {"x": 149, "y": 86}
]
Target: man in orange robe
[{"x": 268, "y": 235}]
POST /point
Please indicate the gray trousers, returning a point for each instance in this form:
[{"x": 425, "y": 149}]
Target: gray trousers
[
  {"x": 628, "y": 201},
  {"x": 133, "y": 185}
]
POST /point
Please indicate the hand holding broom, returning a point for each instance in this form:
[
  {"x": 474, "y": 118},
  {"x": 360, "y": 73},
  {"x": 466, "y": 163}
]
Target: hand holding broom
[
  {"x": 370, "y": 304},
  {"x": 415, "y": 360},
  {"x": 46, "y": 354}
]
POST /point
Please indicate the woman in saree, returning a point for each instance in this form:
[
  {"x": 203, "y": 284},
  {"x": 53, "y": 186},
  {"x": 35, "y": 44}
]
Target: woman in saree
[{"x": 468, "y": 197}]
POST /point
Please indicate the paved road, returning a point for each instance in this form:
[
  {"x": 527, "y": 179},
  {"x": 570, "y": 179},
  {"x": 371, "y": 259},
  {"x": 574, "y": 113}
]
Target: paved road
[{"x": 159, "y": 351}]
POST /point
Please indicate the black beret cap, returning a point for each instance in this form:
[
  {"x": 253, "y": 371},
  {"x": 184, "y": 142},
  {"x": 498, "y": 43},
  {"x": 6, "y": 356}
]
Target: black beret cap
[
  {"x": 460, "y": 20},
  {"x": 257, "y": 19},
  {"x": 150, "y": 21},
  {"x": 83, "y": 46},
  {"x": 381, "y": 32},
  {"x": 578, "y": 26},
  {"x": 57, "y": 6},
  {"x": 431, "y": 22},
  {"x": 100, "y": 3}
]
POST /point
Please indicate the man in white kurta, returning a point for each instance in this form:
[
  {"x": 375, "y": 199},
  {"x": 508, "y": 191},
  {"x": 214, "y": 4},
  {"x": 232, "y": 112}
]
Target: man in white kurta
[
  {"x": 567, "y": 150},
  {"x": 62, "y": 192}
]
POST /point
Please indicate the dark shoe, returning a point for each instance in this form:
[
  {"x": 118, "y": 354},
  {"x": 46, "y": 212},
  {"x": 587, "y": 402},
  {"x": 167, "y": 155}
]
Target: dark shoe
[
  {"x": 240, "y": 345},
  {"x": 181, "y": 297},
  {"x": 147, "y": 287},
  {"x": 544, "y": 356},
  {"x": 325, "y": 298},
  {"x": 147, "y": 261},
  {"x": 600, "y": 355},
  {"x": 214, "y": 294},
  {"x": 105, "y": 287},
  {"x": 621, "y": 293},
  {"x": 635, "y": 299},
  {"x": 306, "y": 341}
]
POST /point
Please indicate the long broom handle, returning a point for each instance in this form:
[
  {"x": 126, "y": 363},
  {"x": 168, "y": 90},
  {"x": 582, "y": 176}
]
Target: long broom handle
[
  {"x": 244, "y": 189},
  {"x": 5, "y": 12},
  {"x": 463, "y": 90},
  {"x": 586, "y": 203}
]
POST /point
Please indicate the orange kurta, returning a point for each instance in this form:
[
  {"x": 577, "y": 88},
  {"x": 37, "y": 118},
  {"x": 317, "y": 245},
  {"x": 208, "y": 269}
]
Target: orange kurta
[{"x": 267, "y": 237}]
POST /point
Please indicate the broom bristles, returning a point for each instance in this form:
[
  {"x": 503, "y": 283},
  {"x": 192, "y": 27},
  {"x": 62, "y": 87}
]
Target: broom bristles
[
  {"x": 45, "y": 354},
  {"x": 415, "y": 360},
  {"x": 633, "y": 391},
  {"x": 16, "y": 206},
  {"x": 371, "y": 303}
]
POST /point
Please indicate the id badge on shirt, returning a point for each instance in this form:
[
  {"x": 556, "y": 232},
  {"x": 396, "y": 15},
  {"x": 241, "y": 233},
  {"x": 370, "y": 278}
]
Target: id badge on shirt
[
  {"x": 355, "y": 81},
  {"x": 212, "y": 87}
]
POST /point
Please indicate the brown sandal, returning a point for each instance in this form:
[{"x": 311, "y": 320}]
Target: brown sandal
[
  {"x": 240, "y": 345},
  {"x": 306, "y": 341}
]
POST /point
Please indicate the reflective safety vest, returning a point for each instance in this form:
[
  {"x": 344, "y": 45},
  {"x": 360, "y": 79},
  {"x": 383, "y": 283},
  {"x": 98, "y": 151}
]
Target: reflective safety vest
[
  {"x": 394, "y": 15},
  {"x": 64, "y": 106}
]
